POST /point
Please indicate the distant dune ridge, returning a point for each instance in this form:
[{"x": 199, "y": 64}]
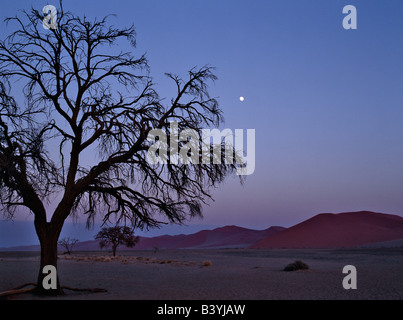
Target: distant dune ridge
[
  {"x": 225, "y": 237},
  {"x": 325, "y": 230}
]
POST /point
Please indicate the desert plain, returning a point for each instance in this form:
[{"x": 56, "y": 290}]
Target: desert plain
[{"x": 215, "y": 274}]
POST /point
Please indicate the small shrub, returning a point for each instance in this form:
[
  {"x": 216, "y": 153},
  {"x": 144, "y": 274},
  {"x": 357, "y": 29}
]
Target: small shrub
[
  {"x": 207, "y": 263},
  {"x": 297, "y": 265}
]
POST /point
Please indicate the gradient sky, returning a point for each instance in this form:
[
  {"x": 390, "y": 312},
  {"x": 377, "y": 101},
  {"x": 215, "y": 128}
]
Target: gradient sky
[{"x": 326, "y": 103}]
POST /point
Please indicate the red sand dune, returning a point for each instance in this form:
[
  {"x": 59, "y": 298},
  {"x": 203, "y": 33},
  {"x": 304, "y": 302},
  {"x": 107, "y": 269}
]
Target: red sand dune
[
  {"x": 228, "y": 236},
  {"x": 329, "y": 230},
  {"x": 325, "y": 230}
]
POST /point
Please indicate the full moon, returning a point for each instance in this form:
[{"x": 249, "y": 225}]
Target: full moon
[{"x": 241, "y": 98}]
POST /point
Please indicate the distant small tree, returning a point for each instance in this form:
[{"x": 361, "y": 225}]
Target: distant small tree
[
  {"x": 68, "y": 244},
  {"x": 115, "y": 236}
]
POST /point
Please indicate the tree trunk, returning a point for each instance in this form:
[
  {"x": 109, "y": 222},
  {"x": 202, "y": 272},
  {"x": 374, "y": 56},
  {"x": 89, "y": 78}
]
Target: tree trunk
[{"x": 48, "y": 237}]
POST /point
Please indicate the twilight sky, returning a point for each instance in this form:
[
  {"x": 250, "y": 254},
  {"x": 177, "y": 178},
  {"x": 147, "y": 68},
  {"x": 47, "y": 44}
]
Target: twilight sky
[{"x": 326, "y": 103}]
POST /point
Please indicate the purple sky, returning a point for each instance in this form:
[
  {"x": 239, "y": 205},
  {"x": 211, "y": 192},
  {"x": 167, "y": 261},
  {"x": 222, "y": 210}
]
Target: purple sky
[{"x": 326, "y": 103}]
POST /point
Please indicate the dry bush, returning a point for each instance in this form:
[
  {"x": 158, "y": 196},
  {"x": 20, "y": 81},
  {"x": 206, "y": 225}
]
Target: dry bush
[
  {"x": 207, "y": 263},
  {"x": 296, "y": 265}
]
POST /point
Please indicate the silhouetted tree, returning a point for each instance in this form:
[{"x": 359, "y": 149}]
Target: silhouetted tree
[
  {"x": 81, "y": 131},
  {"x": 116, "y": 236},
  {"x": 68, "y": 244}
]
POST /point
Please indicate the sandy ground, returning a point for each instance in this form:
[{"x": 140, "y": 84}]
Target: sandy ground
[{"x": 232, "y": 274}]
